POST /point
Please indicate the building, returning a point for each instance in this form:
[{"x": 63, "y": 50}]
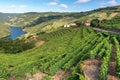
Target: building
[
  {"x": 35, "y": 37},
  {"x": 87, "y": 23},
  {"x": 66, "y": 25},
  {"x": 69, "y": 25}
]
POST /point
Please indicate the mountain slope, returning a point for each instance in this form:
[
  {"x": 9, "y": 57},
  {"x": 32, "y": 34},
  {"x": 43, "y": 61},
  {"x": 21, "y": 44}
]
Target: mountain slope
[
  {"x": 49, "y": 21},
  {"x": 4, "y": 17},
  {"x": 63, "y": 50}
]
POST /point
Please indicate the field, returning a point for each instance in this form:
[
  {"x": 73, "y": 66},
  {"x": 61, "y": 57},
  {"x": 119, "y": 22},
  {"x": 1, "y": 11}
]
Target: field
[{"x": 64, "y": 51}]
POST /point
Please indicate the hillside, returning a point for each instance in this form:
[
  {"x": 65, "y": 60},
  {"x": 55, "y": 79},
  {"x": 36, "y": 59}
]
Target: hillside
[
  {"x": 4, "y": 30},
  {"x": 4, "y": 17},
  {"x": 33, "y": 21},
  {"x": 65, "y": 54},
  {"x": 58, "y": 53}
]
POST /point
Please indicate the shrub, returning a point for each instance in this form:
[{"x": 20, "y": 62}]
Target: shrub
[{"x": 15, "y": 46}]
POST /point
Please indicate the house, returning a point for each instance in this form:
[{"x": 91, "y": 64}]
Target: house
[
  {"x": 69, "y": 25},
  {"x": 87, "y": 23},
  {"x": 35, "y": 37},
  {"x": 73, "y": 24},
  {"x": 66, "y": 25}
]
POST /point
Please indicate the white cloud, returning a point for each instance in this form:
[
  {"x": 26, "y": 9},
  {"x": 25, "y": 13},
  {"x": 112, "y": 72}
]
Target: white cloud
[
  {"x": 63, "y": 6},
  {"x": 112, "y": 2},
  {"x": 52, "y": 3},
  {"x": 82, "y": 1},
  {"x": 102, "y": 4}
]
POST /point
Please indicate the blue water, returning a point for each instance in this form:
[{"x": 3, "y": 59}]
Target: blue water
[{"x": 15, "y": 32}]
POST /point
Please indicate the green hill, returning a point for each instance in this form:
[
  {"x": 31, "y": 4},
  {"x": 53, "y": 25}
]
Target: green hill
[
  {"x": 49, "y": 21},
  {"x": 63, "y": 50},
  {"x": 75, "y": 53},
  {"x": 6, "y": 16}
]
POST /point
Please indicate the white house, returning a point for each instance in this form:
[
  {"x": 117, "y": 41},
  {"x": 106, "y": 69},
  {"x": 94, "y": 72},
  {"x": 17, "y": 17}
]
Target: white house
[
  {"x": 69, "y": 25},
  {"x": 66, "y": 25}
]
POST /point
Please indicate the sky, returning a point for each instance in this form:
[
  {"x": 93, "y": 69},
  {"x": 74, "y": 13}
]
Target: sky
[{"x": 23, "y": 6}]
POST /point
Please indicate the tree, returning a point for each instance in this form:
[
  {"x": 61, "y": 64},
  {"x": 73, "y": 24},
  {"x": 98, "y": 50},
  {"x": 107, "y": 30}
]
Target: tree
[
  {"x": 95, "y": 23},
  {"x": 79, "y": 23}
]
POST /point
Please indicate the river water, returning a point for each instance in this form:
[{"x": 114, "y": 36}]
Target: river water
[{"x": 15, "y": 32}]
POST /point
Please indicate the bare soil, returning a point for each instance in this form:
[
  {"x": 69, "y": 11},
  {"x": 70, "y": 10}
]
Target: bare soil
[
  {"x": 60, "y": 75},
  {"x": 110, "y": 77},
  {"x": 39, "y": 43},
  {"x": 91, "y": 69},
  {"x": 112, "y": 66},
  {"x": 38, "y": 76}
]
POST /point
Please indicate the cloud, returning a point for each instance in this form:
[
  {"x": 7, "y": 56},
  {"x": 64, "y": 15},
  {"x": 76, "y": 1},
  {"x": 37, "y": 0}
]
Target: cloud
[
  {"x": 52, "y": 3},
  {"x": 102, "y": 4},
  {"x": 112, "y": 2},
  {"x": 63, "y": 6},
  {"x": 82, "y": 1}
]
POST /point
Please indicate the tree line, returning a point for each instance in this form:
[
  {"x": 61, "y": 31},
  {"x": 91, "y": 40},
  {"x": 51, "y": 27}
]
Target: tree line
[{"x": 15, "y": 46}]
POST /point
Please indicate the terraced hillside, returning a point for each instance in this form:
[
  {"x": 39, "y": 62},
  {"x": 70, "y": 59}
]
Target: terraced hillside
[{"x": 63, "y": 55}]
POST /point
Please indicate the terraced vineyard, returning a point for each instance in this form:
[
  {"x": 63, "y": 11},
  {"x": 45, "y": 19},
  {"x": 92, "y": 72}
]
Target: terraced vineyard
[{"x": 64, "y": 50}]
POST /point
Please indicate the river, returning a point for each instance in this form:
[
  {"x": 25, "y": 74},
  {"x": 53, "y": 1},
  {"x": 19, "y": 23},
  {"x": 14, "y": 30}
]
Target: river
[{"x": 15, "y": 32}]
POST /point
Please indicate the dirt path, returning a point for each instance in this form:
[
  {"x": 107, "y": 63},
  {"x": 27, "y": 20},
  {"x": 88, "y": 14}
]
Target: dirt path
[
  {"x": 112, "y": 66},
  {"x": 112, "y": 63}
]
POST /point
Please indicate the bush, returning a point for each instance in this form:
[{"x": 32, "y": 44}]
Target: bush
[
  {"x": 95, "y": 23},
  {"x": 15, "y": 46}
]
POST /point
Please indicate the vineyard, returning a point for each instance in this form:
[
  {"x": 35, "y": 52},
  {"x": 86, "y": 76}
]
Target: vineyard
[{"x": 64, "y": 50}]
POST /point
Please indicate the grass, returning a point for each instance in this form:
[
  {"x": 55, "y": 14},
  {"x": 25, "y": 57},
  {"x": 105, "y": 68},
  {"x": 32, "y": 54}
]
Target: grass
[
  {"x": 19, "y": 64},
  {"x": 64, "y": 49}
]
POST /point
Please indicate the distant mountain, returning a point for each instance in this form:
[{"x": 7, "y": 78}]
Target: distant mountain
[
  {"x": 103, "y": 13},
  {"x": 31, "y": 17},
  {"x": 5, "y": 16},
  {"x": 50, "y": 21}
]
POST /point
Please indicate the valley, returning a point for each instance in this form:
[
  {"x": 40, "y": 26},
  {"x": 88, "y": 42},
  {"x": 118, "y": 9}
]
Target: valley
[{"x": 62, "y": 46}]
